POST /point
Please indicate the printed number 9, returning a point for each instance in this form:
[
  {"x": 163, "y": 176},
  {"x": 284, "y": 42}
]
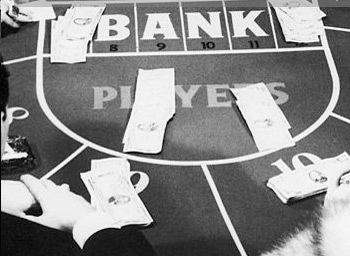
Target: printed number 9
[{"x": 161, "y": 46}]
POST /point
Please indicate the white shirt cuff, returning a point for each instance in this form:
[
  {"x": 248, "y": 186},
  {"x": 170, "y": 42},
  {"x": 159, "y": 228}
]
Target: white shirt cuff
[{"x": 91, "y": 224}]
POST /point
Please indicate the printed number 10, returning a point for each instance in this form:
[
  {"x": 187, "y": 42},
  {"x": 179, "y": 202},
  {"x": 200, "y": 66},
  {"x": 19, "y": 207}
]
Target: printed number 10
[{"x": 208, "y": 45}]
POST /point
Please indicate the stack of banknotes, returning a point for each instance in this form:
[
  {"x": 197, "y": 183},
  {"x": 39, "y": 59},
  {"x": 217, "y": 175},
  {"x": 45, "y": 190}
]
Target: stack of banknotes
[
  {"x": 301, "y": 20},
  {"x": 266, "y": 121},
  {"x": 71, "y": 33},
  {"x": 154, "y": 106},
  {"x": 308, "y": 181},
  {"x": 112, "y": 192}
]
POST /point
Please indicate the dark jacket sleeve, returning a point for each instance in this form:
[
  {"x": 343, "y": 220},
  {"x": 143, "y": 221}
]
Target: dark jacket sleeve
[
  {"x": 118, "y": 242},
  {"x": 21, "y": 237}
]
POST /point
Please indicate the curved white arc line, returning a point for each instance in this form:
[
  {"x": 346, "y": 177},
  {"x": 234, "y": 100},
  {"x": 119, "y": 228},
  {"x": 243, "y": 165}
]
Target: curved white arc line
[
  {"x": 335, "y": 93},
  {"x": 336, "y": 86},
  {"x": 56, "y": 122},
  {"x": 46, "y": 109}
]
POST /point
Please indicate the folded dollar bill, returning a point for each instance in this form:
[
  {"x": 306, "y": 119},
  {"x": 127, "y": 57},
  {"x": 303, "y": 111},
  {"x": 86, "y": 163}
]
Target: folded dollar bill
[
  {"x": 308, "y": 181},
  {"x": 71, "y": 33},
  {"x": 82, "y": 21},
  {"x": 266, "y": 121},
  {"x": 154, "y": 106},
  {"x": 66, "y": 51},
  {"x": 111, "y": 190}
]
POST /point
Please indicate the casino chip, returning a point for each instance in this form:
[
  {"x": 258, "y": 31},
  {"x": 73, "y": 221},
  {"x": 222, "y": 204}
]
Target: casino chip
[{"x": 21, "y": 158}]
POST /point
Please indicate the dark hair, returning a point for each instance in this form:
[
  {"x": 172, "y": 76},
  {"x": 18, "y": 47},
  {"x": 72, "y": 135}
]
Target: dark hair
[{"x": 4, "y": 87}]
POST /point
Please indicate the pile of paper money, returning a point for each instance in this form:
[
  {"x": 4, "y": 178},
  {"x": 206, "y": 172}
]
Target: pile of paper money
[
  {"x": 301, "y": 21},
  {"x": 154, "y": 106},
  {"x": 71, "y": 33},
  {"x": 266, "y": 121},
  {"x": 311, "y": 180},
  {"x": 112, "y": 192}
]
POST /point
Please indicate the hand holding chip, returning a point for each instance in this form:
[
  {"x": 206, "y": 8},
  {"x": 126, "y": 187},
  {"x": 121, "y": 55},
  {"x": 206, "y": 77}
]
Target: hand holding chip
[
  {"x": 5, "y": 16},
  {"x": 61, "y": 208},
  {"x": 12, "y": 15}
]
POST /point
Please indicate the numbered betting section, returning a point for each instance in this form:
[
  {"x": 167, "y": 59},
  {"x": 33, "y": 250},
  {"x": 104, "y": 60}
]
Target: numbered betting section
[{"x": 187, "y": 27}]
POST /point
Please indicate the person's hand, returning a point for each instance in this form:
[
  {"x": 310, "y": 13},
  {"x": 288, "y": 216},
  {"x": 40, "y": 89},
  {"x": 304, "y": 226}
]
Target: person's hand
[
  {"x": 338, "y": 193},
  {"x": 15, "y": 197},
  {"x": 11, "y": 14},
  {"x": 6, "y": 6},
  {"x": 61, "y": 208}
]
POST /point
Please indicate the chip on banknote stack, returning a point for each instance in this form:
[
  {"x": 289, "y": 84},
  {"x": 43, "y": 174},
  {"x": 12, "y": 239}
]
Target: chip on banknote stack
[
  {"x": 266, "y": 121},
  {"x": 71, "y": 33},
  {"x": 300, "y": 20},
  {"x": 18, "y": 156},
  {"x": 154, "y": 106},
  {"x": 308, "y": 181}
]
